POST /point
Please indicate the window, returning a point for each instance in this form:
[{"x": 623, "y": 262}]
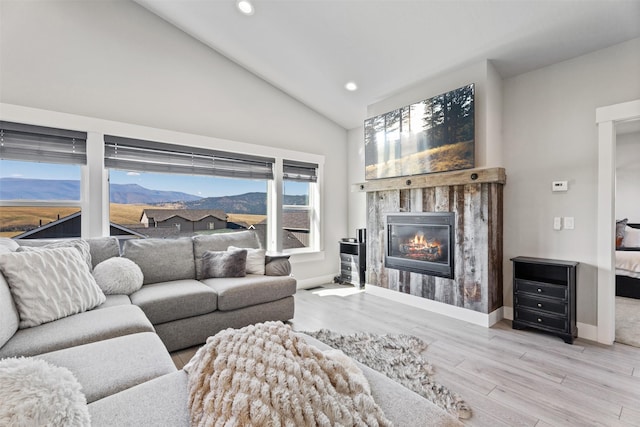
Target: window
[
  {"x": 299, "y": 206},
  {"x": 40, "y": 181},
  {"x": 168, "y": 191}
]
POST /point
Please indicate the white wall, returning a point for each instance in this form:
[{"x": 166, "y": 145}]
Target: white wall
[
  {"x": 357, "y": 200},
  {"x": 114, "y": 60},
  {"x": 628, "y": 177},
  {"x": 550, "y": 134}
]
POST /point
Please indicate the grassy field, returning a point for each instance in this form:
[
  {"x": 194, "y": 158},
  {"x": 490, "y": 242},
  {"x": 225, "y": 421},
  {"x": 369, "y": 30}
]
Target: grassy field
[
  {"x": 446, "y": 158},
  {"x": 20, "y": 219}
]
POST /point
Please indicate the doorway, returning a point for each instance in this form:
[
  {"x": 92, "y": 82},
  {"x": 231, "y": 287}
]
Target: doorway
[{"x": 607, "y": 119}]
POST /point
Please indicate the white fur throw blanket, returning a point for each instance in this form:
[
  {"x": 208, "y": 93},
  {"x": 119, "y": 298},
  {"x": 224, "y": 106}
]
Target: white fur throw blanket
[{"x": 267, "y": 375}]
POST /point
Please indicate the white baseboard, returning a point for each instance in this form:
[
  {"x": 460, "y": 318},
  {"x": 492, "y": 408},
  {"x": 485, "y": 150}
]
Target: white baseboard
[
  {"x": 315, "y": 281},
  {"x": 586, "y": 331},
  {"x": 508, "y": 312},
  {"x": 482, "y": 319}
]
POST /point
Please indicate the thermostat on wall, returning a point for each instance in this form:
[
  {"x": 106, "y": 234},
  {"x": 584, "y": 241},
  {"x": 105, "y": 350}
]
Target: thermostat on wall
[{"x": 559, "y": 186}]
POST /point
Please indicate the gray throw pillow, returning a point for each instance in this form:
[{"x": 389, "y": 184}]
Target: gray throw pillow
[
  {"x": 224, "y": 263},
  {"x": 49, "y": 284}
]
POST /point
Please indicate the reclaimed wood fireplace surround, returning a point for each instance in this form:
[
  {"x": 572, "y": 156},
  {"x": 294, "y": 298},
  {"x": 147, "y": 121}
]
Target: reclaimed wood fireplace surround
[{"x": 475, "y": 195}]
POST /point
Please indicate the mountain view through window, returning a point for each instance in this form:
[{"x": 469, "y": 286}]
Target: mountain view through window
[{"x": 144, "y": 205}]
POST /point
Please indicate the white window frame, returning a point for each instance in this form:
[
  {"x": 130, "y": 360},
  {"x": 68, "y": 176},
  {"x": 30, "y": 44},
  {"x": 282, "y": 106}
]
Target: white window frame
[
  {"x": 81, "y": 204},
  {"x": 94, "y": 185}
]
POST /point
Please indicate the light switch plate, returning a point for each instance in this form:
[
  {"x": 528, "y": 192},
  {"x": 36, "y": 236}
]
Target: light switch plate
[
  {"x": 569, "y": 223},
  {"x": 557, "y": 223},
  {"x": 559, "y": 186}
]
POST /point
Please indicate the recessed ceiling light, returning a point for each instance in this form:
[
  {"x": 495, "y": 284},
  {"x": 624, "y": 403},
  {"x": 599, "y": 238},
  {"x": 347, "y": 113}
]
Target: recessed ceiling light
[
  {"x": 351, "y": 86},
  {"x": 245, "y": 7}
]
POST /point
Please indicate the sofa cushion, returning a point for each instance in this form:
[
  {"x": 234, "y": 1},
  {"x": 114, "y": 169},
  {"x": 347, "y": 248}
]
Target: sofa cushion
[
  {"x": 9, "y": 318},
  {"x": 49, "y": 284},
  {"x": 232, "y": 263},
  {"x": 82, "y": 328},
  {"x": 118, "y": 275},
  {"x": 114, "y": 300},
  {"x": 220, "y": 242},
  {"x": 185, "y": 333},
  {"x": 103, "y": 248},
  {"x": 159, "y": 402},
  {"x": 162, "y": 260},
  {"x": 132, "y": 360},
  {"x": 239, "y": 292},
  {"x": 167, "y": 301}
]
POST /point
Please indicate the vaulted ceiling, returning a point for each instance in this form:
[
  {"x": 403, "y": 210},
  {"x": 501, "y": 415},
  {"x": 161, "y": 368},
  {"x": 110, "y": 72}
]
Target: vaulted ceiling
[{"x": 311, "y": 48}]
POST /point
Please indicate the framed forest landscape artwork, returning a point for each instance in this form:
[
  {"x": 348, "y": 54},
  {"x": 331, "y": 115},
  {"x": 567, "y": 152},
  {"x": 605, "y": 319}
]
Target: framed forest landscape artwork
[{"x": 433, "y": 135}]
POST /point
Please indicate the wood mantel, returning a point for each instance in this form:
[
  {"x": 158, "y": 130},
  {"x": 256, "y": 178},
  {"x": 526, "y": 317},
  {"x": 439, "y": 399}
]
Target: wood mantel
[{"x": 461, "y": 177}]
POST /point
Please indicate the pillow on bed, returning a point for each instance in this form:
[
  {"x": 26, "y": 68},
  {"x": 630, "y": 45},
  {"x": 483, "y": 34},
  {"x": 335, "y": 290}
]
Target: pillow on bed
[
  {"x": 620, "y": 228},
  {"x": 631, "y": 237}
]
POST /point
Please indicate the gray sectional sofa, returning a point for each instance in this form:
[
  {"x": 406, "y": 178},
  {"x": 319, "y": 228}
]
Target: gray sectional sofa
[{"x": 119, "y": 351}]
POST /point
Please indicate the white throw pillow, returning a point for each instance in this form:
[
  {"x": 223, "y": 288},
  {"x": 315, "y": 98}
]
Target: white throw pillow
[
  {"x": 118, "y": 275},
  {"x": 255, "y": 259},
  {"x": 81, "y": 245},
  {"x": 631, "y": 237},
  {"x": 35, "y": 393},
  {"x": 49, "y": 284}
]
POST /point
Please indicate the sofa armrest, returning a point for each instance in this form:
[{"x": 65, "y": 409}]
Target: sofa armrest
[{"x": 277, "y": 265}]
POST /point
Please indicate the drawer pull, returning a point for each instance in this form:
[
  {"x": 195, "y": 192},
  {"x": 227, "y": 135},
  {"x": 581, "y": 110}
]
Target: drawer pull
[
  {"x": 539, "y": 305},
  {"x": 539, "y": 320},
  {"x": 539, "y": 290}
]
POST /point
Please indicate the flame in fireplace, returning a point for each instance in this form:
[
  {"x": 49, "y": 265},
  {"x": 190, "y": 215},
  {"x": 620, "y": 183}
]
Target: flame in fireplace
[{"x": 420, "y": 247}]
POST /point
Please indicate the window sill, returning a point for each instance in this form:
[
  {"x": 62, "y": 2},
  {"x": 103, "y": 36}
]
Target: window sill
[{"x": 306, "y": 256}]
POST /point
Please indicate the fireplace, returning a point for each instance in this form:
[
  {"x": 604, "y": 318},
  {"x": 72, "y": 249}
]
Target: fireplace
[{"x": 421, "y": 242}]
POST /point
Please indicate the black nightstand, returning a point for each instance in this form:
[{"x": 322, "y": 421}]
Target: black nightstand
[
  {"x": 544, "y": 296},
  {"x": 353, "y": 258}
]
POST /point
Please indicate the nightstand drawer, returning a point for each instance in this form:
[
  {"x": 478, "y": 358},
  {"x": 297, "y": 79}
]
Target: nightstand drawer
[
  {"x": 541, "y": 320},
  {"x": 348, "y": 258},
  {"x": 544, "y": 289},
  {"x": 351, "y": 277},
  {"x": 546, "y": 304},
  {"x": 349, "y": 267}
]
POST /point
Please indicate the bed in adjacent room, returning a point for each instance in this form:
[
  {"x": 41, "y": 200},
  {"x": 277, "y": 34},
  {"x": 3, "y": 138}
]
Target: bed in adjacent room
[{"x": 628, "y": 260}]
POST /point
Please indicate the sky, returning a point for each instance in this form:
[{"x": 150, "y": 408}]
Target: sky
[{"x": 198, "y": 185}]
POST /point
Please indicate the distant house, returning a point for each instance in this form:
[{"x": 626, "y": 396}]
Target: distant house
[
  {"x": 298, "y": 224},
  {"x": 185, "y": 220},
  {"x": 295, "y": 229},
  {"x": 70, "y": 226}
]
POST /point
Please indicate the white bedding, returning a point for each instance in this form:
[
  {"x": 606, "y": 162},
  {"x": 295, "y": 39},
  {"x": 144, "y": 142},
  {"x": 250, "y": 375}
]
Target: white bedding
[{"x": 628, "y": 263}]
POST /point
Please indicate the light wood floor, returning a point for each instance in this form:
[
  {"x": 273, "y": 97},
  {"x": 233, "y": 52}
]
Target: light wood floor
[{"x": 508, "y": 377}]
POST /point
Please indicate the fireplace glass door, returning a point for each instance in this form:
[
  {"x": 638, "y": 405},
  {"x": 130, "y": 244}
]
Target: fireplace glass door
[{"x": 421, "y": 243}]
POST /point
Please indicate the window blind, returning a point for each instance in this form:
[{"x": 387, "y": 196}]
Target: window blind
[
  {"x": 299, "y": 171},
  {"x": 42, "y": 144},
  {"x": 149, "y": 156}
]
